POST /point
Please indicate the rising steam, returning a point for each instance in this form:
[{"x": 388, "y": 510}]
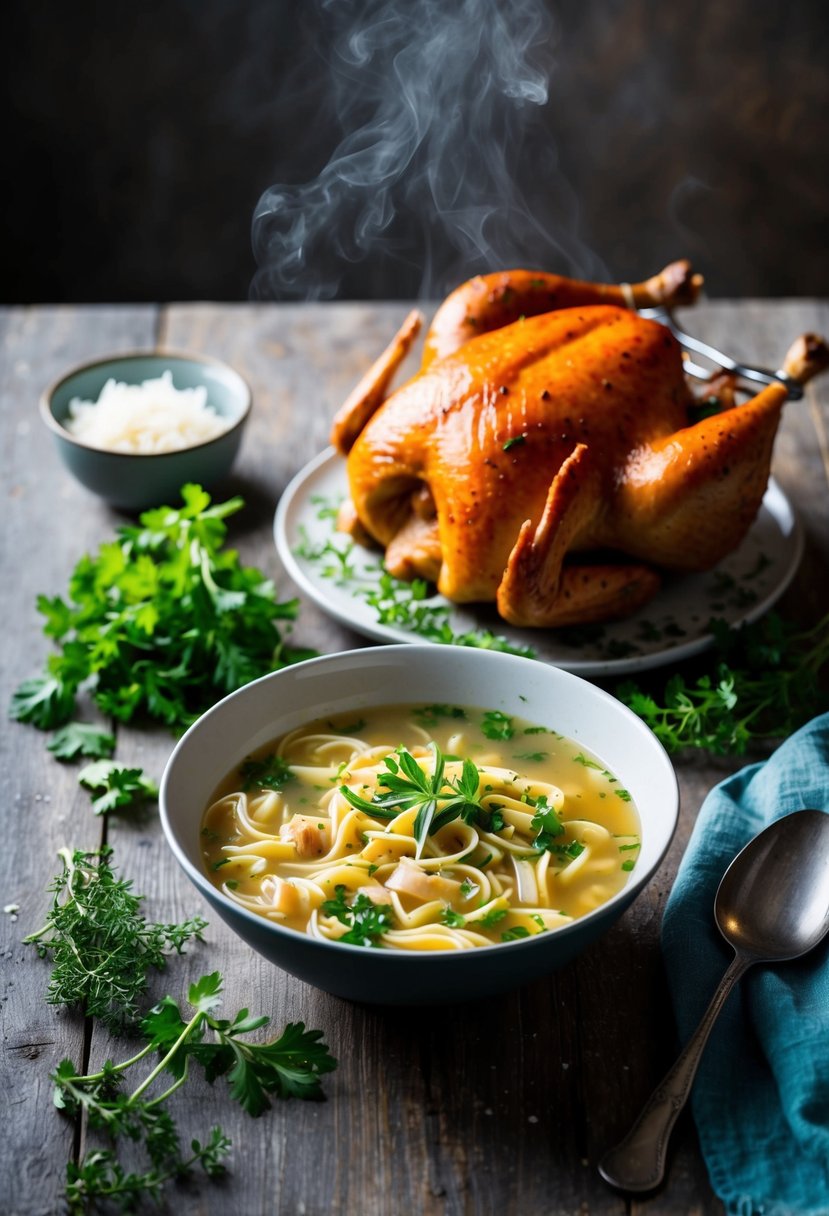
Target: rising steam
[{"x": 447, "y": 167}]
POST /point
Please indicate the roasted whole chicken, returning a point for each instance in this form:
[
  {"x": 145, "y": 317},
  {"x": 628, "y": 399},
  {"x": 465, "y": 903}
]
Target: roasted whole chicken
[{"x": 546, "y": 457}]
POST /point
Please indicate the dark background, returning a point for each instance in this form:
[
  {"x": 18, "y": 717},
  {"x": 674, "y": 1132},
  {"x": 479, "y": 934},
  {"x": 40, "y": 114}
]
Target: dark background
[{"x": 142, "y": 136}]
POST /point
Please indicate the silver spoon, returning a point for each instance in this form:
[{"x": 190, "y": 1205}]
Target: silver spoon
[{"x": 772, "y": 904}]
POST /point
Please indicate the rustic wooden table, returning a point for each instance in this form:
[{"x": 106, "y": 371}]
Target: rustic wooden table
[{"x": 497, "y": 1108}]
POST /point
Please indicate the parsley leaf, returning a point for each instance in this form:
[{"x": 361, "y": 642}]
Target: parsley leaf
[
  {"x": 45, "y": 701},
  {"x": 405, "y": 605},
  {"x": 547, "y": 826},
  {"x": 497, "y": 725},
  {"x": 366, "y": 920},
  {"x": 115, "y": 787},
  {"x": 516, "y": 932},
  {"x": 272, "y": 773},
  {"x": 81, "y": 739},
  {"x": 587, "y": 763}
]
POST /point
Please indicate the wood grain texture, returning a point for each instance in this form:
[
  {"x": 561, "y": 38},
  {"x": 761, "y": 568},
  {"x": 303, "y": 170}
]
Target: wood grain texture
[{"x": 461, "y": 1111}]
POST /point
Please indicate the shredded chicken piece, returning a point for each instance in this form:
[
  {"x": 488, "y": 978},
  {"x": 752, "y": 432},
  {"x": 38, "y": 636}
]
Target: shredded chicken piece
[
  {"x": 310, "y": 839},
  {"x": 409, "y": 879}
]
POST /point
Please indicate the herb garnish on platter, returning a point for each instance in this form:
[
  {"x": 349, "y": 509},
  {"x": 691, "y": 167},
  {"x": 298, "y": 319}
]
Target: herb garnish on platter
[{"x": 396, "y": 603}]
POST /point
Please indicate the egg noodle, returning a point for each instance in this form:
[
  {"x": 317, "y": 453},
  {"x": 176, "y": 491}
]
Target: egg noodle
[{"x": 432, "y": 843}]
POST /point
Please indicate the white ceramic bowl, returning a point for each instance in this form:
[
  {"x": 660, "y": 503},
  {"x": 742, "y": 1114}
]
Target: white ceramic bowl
[{"x": 268, "y": 708}]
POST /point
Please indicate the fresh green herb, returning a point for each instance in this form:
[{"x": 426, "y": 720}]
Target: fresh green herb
[
  {"x": 467, "y": 888},
  {"x": 628, "y": 865},
  {"x": 490, "y": 819},
  {"x": 497, "y": 725},
  {"x": 100, "y": 1177},
  {"x": 407, "y": 786},
  {"x": 409, "y": 606},
  {"x": 452, "y": 918},
  {"x": 81, "y": 739},
  {"x": 272, "y": 773},
  {"x": 492, "y": 917},
  {"x": 547, "y": 826},
  {"x": 372, "y": 869},
  {"x": 396, "y": 603},
  {"x": 623, "y": 794},
  {"x": 623, "y": 848},
  {"x": 572, "y": 850},
  {"x": 325, "y": 509},
  {"x": 367, "y": 921},
  {"x": 163, "y": 620},
  {"x": 430, "y": 715},
  {"x": 45, "y": 701},
  {"x": 100, "y": 944},
  {"x": 290, "y": 1066},
  {"x": 115, "y": 787},
  {"x": 537, "y": 757},
  {"x": 586, "y": 763},
  {"x": 516, "y": 932},
  {"x": 539, "y": 920},
  {"x": 224, "y": 861},
  {"x": 513, "y": 442},
  {"x": 481, "y": 865},
  {"x": 335, "y": 553},
  {"x": 765, "y": 682},
  {"x": 535, "y": 730}
]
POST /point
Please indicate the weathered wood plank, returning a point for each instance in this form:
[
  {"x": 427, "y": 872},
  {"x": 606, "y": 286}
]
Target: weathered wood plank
[{"x": 49, "y": 521}]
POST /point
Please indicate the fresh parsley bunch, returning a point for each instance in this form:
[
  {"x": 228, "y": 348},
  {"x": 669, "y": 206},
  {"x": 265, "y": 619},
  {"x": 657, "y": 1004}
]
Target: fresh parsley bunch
[{"x": 163, "y": 620}]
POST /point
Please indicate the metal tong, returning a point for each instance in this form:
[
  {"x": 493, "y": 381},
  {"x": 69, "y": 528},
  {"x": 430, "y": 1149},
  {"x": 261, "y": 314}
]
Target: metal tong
[{"x": 761, "y": 375}]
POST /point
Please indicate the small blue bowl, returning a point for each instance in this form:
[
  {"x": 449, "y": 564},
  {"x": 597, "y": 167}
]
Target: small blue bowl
[{"x": 133, "y": 480}]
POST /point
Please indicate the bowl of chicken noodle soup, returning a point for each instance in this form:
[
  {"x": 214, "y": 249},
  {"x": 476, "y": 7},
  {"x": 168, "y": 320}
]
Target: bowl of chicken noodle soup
[{"x": 419, "y": 824}]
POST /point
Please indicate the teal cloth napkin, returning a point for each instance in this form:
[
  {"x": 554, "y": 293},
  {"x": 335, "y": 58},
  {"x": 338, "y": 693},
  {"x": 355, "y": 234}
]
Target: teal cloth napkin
[{"x": 761, "y": 1096}]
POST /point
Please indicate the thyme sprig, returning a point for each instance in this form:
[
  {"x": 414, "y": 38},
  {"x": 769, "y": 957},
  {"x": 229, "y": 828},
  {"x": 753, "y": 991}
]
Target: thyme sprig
[
  {"x": 100, "y": 944},
  {"x": 765, "y": 682}
]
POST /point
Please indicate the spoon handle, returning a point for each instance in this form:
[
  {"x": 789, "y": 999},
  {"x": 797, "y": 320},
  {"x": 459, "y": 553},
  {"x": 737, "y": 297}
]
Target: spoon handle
[{"x": 637, "y": 1163}]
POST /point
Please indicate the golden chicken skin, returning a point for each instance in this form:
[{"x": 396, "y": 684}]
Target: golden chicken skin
[{"x": 545, "y": 456}]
